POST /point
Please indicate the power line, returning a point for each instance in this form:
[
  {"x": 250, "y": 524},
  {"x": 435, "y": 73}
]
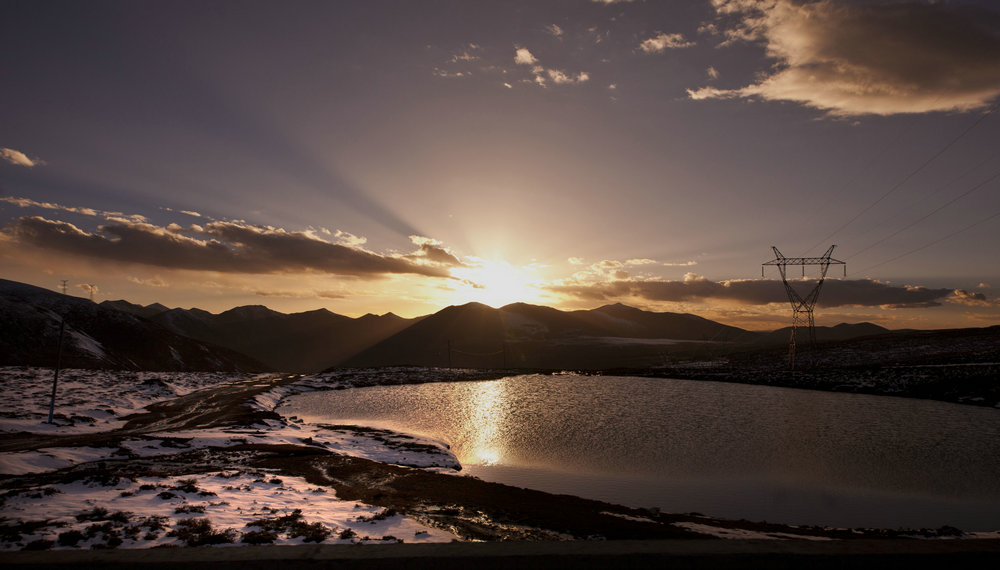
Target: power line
[
  {"x": 929, "y": 214},
  {"x": 937, "y": 241},
  {"x": 915, "y": 204},
  {"x": 913, "y": 173},
  {"x": 850, "y": 182}
]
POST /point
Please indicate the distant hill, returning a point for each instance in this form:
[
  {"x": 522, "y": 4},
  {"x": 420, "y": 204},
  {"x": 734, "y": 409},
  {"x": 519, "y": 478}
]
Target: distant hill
[
  {"x": 98, "y": 336},
  {"x": 300, "y": 342},
  {"x": 531, "y": 336},
  {"x": 519, "y": 335},
  {"x": 843, "y": 331}
]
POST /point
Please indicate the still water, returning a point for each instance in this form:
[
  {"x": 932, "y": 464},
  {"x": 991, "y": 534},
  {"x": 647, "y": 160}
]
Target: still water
[{"x": 727, "y": 450}]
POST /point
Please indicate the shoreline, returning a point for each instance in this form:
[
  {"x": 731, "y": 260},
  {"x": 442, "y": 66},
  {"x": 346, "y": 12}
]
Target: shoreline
[{"x": 231, "y": 430}]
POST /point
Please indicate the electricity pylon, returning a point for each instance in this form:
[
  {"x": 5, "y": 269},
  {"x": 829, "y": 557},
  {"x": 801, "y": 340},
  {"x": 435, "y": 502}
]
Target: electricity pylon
[{"x": 802, "y": 307}]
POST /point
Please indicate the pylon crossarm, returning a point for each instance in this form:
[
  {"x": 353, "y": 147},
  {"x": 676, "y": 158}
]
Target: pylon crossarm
[{"x": 805, "y": 261}]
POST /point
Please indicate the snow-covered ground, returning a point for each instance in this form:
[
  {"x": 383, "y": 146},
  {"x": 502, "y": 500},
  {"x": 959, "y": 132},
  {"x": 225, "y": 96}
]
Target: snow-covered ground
[
  {"x": 226, "y": 506},
  {"x": 90, "y": 400}
]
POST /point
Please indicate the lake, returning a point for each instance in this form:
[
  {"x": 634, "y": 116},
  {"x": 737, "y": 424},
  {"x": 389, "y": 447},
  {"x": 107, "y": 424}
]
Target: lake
[{"x": 721, "y": 449}]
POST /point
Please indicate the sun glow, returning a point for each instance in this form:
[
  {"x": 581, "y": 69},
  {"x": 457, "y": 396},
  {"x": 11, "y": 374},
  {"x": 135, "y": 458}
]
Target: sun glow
[{"x": 496, "y": 283}]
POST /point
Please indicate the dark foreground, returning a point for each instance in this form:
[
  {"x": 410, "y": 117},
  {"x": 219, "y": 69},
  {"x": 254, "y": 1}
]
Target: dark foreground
[{"x": 527, "y": 555}]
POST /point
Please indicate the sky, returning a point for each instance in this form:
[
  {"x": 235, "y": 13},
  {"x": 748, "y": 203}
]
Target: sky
[{"x": 404, "y": 156}]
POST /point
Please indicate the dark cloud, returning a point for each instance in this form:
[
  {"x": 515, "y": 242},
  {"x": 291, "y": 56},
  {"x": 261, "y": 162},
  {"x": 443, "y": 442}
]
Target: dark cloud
[
  {"x": 970, "y": 298},
  {"x": 868, "y": 58},
  {"x": 217, "y": 246},
  {"x": 435, "y": 254},
  {"x": 835, "y": 293}
]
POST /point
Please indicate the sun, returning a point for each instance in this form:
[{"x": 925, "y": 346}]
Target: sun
[{"x": 496, "y": 283}]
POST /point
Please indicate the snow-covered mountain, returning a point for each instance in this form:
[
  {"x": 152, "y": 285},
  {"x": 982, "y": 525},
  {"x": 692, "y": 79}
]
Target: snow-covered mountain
[{"x": 98, "y": 336}]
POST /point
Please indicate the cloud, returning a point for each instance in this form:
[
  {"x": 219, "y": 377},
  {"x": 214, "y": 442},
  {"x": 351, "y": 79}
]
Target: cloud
[
  {"x": 18, "y": 158},
  {"x": 712, "y": 73},
  {"x": 554, "y": 30},
  {"x": 28, "y": 203},
  {"x": 156, "y": 281},
  {"x": 432, "y": 250},
  {"x": 561, "y": 78},
  {"x": 611, "y": 1},
  {"x": 88, "y": 287},
  {"x": 661, "y": 42},
  {"x": 229, "y": 247},
  {"x": 866, "y": 58},
  {"x": 466, "y": 55},
  {"x": 695, "y": 288},
  {"x": 963, "y": 297},
  {"x": 523, "y": 57}
]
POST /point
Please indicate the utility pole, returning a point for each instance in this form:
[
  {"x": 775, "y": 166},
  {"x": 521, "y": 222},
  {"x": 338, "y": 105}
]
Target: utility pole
[
  {"x": 64, "y": 282},
  {"x": 55, "y": 378},
  {"x": 802, "y": 307}
]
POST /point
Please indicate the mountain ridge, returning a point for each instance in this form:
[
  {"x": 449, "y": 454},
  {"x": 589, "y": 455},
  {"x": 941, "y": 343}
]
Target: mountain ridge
[{"x": 472, "y": 334}]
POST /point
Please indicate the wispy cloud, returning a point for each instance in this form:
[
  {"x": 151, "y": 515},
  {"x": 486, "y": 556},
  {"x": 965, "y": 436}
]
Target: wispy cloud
[
  {"x": 542, "y": 75},
  {"x": 29, "y": 203},
  {"x": 467, "y": 54},
  {"x": 554, "y": 30},
  {"x": 661, "y": 42},
  {"x": 866, "y": 58},
  {"x": 562, "y": 78},
  {"x": 229, "y": 247},
  {"x": 18, "y": 158}
]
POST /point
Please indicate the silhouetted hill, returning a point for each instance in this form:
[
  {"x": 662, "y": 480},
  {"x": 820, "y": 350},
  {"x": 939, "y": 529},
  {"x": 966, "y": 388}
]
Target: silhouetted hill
[
  {"x": 98, "y": 336},
  {"x": 473, "y": 335},
  {"x": 135, "y": 309},
  {"x": 532, "y": 336},
  {"x": 298, "y": 342},
  {"x": 843, "y": 331},
  {"x": 680, "y": 326}
]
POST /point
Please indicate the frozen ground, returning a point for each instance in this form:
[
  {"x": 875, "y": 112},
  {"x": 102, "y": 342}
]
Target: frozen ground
[
  {"x": 227, "y": 507},
  {"x": 90, "y": 400}
]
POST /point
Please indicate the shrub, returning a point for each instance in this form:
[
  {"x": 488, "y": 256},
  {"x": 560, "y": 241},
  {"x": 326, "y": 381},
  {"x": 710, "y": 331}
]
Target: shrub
[
  {"x": 315, "y": 532},
  {"x": 259, "y": 537},
  {"x": 70, "y": 538},
  {"x": 199, "y": 532},
  {"x": 95, "y": 514}
]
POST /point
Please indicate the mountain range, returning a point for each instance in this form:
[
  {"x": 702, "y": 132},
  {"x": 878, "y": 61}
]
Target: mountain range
[
  {"x": 96, "y": 336},
  {"x": 155, "y": 337}
]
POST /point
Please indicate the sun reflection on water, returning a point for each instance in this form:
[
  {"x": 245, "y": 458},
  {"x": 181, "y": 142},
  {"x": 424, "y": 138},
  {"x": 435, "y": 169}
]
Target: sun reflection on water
[{"x": 488, "y": 407}]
